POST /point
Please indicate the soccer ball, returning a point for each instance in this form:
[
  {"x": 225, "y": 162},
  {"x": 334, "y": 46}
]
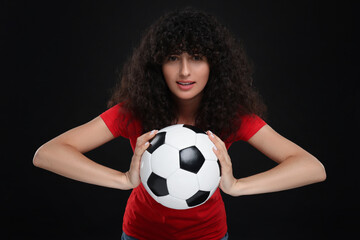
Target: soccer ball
[{"x": 179, "y": 168}]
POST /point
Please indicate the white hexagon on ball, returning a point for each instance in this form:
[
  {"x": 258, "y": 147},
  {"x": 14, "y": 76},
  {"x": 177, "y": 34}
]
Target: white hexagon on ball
[
  {"x": 172, "y": 202},
  {"x": 167, "y": 129},
  {"x": 180, "y": 138},
  {"x": 205, "y": 146},
  {"x": 165, "y": 161},
  {"x": 209, "y": 176},
  {"x": 183, "y": 184}
]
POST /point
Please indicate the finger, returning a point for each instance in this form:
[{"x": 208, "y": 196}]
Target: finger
[
  {"x": 146, "y": 137},
  {"x": 219, "y": 144},
  {"x": 142, "y": 143},
  {"x": 217, "y": 149},
  {"x": 222, "y": 157},
  {"x": 220, "y": 150}
]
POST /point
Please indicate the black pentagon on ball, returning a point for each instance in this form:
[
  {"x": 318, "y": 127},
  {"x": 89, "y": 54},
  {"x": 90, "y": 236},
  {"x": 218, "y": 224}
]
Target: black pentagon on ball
[
  {"x": 156, "y": 142},
  {"x": 195, "y": 129},
  {"x": 218, "y": 162},
  {"x": 157, "y": 185},
  {"x": 198, "y": 198},
  {"x": 191, "y": 159}
]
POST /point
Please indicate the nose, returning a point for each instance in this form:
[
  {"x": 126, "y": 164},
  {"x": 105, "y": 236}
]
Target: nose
[{"x": 184, "y": 68}]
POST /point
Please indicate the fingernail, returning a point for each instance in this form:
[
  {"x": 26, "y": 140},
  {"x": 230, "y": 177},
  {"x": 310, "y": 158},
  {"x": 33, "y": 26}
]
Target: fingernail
[
  {"x": 147, "y": 143},
  {"x": 215, "y": 148},
  {"x": 211, "y": 134},
  {"x": 152, "y": 132}
]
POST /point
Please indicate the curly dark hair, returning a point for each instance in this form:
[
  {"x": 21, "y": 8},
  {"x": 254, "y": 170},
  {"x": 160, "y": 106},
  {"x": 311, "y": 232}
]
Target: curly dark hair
[{"x": 228, "y": 93}]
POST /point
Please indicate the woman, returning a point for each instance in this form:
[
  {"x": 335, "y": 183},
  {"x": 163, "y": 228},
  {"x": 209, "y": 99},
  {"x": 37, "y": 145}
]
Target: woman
[{"x": 187, "y": 69}]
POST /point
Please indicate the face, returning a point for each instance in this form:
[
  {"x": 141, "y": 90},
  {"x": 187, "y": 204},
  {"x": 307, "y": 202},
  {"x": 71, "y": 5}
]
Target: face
[{"x": 186, "y": 75}]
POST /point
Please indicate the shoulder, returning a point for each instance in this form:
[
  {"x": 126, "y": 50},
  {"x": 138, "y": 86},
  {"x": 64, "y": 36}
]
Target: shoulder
[
  {"x": 249, "y": 125},
  {"x": 120, "y": 121}
]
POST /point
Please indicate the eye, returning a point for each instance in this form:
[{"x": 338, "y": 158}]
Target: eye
[
  {"x": 197, "y": 57},
  {"x": 172, "y": 58}
]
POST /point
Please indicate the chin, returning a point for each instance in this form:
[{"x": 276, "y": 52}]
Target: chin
[{"x": 187, "y": 97}]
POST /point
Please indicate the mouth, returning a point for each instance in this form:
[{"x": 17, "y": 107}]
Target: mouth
[{"x": 185, "y": 85}]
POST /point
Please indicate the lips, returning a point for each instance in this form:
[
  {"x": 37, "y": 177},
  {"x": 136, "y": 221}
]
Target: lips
[{"x": 185, "y": 85}]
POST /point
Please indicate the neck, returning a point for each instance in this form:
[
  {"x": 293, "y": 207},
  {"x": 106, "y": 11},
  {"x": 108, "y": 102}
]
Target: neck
[{"x": 187, "y": 110}]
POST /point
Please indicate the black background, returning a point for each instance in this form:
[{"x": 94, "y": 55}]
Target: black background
[{"x": 60, "y": 60}]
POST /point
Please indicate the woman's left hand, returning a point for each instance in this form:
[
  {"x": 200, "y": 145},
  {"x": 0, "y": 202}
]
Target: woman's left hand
[{"x": 227, "y": 182}]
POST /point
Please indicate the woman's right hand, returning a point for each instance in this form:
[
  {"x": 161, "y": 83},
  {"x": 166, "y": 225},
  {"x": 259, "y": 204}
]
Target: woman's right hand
[{"x": 142, "y": 143}]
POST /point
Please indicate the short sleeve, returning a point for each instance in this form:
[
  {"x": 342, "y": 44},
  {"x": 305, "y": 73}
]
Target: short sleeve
[
  {"x": 250, "y": 124},
  {"x": 117, "y": 120}
]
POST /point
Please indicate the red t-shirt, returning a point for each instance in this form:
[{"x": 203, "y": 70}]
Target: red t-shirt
[{"x": 145, "y": 218}]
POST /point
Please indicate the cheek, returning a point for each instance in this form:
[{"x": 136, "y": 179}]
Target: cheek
[
  {"x": 168, "y": 73},
  {"x": 204, "y": 74}
]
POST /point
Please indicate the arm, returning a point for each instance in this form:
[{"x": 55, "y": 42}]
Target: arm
[
  {"x": 295, "y": 168},
  {"x": 64, "y": 155}
]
